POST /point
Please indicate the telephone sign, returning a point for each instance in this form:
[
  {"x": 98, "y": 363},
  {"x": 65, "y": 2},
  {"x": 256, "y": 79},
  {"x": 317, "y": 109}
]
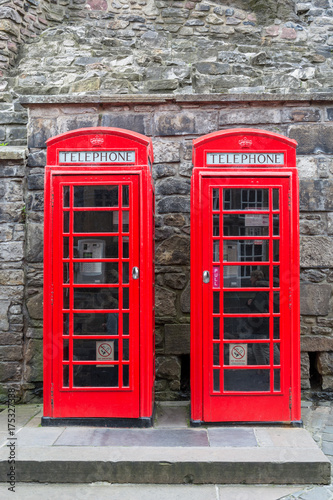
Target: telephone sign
[
  {"x": 98, "y": 318},
  {"x": 245, "y": 343}
]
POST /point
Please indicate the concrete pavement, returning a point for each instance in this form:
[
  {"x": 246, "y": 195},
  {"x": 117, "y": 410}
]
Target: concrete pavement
[{"x": 171, "y": 420}]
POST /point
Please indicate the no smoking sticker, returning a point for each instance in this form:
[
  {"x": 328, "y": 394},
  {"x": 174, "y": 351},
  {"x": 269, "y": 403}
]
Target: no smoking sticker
[
  {"x": 238, "y": 354},
  {"x": 104, "y": 351}
]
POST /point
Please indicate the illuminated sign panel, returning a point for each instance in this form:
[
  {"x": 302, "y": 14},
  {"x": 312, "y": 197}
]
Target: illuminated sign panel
[
  {"x": 96, "y": 156},
  {"x": 245, "y": 158}
]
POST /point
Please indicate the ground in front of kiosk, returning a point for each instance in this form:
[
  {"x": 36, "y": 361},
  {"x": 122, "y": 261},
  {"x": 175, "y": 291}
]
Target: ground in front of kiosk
[{"x": 172, "y": 418}]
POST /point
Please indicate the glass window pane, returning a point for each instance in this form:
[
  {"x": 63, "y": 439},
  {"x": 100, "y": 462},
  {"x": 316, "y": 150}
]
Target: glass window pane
[
  {"x": 276, "y": 250},
  {"x": 246, "y": 380},
  {"x": 95, "y": 196},
  {"x": 65, "y": 351},
  {"x": 216, "y": 224},
  {"x": 216, "y": 302},
  {"x": 65, "y": 273},
  {"x": 246, "y": 302},
  {"x": 246, "y": 327},
  {"x": 95, "y": 350},
  {"x": 65, "y": 376},
  {"x": 95, "y": 248},
  {"x": 216, "y": 199},
  {"x": 216, "y": 328},
  {"x": 126, "y": 349},
  {"x": 276, "y": 352},
  {"x": 65, "y": 197},
  {"x": 65, "y": 324},
  {"x": 96, "y": 222},
  {"x": 276, "y": 225},
  {"x": 245, "y": 251},
  {"x": 95, "y": 376},
  {"x": 125, "y": 323},
  {"x": 95, "y": 323},
  {"x": 216, "y": 380},
  {"x": 276, "y": 333},
  {"x": 246, "y": 225},
  {"x": 125, "y": 376},
  {"x": 66, "y": 222},
  {"x": 66, "y": 247},
  {"x": 276, "y": 199},
  {"x": 125, "y": 272},
  {"x": 216, "y": 251},
  {"x": 277, "y": 381},
  {"x": 276, "y": 276},
  {"x": 246, "y": 354},
  {"x": 125, "y": 298},
  {"x": 216, "y": 354},
  {"x": 66, "y": 298},
  {"x": 245, "y": 199},
  {"x": 95, "y": 298},
  {"x": 243, "y": 276},
  {"x": 276, "y": 302},
  {"x": 125, "y": 196},
  {"x": 125, "y": 247},
  {"x": 96, "y": 272},
  {"x": 125, "y": 222}
]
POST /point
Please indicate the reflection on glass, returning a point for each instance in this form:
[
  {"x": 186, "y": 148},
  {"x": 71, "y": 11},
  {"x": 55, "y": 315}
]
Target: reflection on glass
[
  {"x": 95, "y": 376},
  {"x": 246, "y": 225},
  {"x": 125, "y": 323},
  {"x": 216, "y": 224},
  {"x": 276, "y": 276},
  {"x": 246, "y": 302},
  {"x": 245, "y": 251},
  {"x": 125, "y": 222},
  {"x": 125, "y": 298},
  {"x": 276, "y": 349},
  {"x": 276, "y": 333},
  {"x": 216, "y": 302},
  {"x": 66, "y": 247},
  {"x": 92, "y": 350},
  {"x": 216, "y": 199},
  {"x": 66, "y": 298},
  {"x": 95, "y": 248},
  {"x": 245, "y": 199},
  {"x": 65, "y": 272},
  {"x": 65, "y": 351},
  {"x": 125, "y": 376},
  {"x": 125, "y": 247},
  {"x": 125, "y": 202},
  {"x": 125, "y": 272},
  {"x": 95, "y": 298},
  {"x": 216, "y": 354},
  {"x": 65, "y": 376},
  {"x": 66, "y": 222},
  {"x": 216, "y": 251},
  {"x": 239, "y": 380},
  {"x": 126, "y": 349},
  {"x": 216, "y": 328},
  {"x": 96, "y": 272},
  {"x": 95, "y": 196},
  {"x": 240, "y": 276},
  {"x": 276, "y": 199},
  {"x": 276, "y": 225},
  {"x": 65, "y": 323},
  {"x": 246, "y": 327},
  {"x": 276, "y": 250},
  {"x": 277, "y": 381},
  {"x": 96, "y": 222},
  {"x": 95, "y": 323},
  {"x": 216, "y": 380},
  {"x": 276, "y": 302},
  {"x": 66, "y": 197}
]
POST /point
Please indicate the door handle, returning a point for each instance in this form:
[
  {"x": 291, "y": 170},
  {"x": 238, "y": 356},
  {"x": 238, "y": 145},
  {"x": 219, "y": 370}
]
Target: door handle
[
  {"x": 206, "y": 277},
  {"x": 135, "y": 273}
]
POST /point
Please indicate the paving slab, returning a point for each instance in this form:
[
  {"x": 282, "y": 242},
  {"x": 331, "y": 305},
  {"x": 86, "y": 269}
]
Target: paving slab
[{"x": 232, "y": 437}]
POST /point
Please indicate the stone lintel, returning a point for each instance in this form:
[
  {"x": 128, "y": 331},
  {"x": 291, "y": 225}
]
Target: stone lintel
[{"x": 13, "y": 153}]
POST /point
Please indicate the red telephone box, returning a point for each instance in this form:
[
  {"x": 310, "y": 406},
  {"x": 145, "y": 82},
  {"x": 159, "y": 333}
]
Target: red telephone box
[
  {"x": 245, "y": 339},
  {"x": 99, "y": 279}
]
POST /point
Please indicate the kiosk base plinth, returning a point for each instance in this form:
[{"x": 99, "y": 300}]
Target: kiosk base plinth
[{"x": 141, "y": 422}]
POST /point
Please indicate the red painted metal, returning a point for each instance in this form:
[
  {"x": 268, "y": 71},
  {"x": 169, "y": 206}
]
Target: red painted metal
[
  {"x": 77, "y": 381},
  {"x": 229, "y": 383}
]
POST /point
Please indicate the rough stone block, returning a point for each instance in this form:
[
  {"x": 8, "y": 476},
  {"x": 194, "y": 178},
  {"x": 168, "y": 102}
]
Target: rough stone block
[
  {"x": 34, "y": 361},
  {"x": 315, "y": 299},
  {"x": 4, "y": 311},
  {"x": 173, "y": 186},
  {"x": 11, "y": 353},
  {"x": 37, "y": 159},
  {"x": 306, "y": 167},
  {"x": 177, "y": 339},
  {"x": 175, "y": 250},
  {"x": 35, "y": 306},
  {"x": 316, "y": 251},
  {"x": 166, "y": 152},
  {"x": 249, "y": 116},
  {"x": 34, "y": 248},
  {"x": 325, "y": 363},
  {"x": 301, "y": 115},
  {"x": 10, "y": 371},
  {"x": 175, "y": 280},
  {"x": 137, "y": 122},
  {"x": 168, "y": 123},
  {"x": 316, "y": 195},
  {"x": 313, "y": 224},
  {"x": 163, "y": 170},
  {"x": 313, "y": 138},
  {"x": 305, "y": 371},
  {"x": 174, "y": 204},
  {"x": 168, "y": 367},
  {"x": 185, "y": 299},
  {"x": 165, "y": 301},
  {"x": 11, "y": 251}
]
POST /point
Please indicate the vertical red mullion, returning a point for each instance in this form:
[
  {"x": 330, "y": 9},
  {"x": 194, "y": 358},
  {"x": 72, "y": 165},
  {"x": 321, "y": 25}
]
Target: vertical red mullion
[{"x": 120, "y": 284}]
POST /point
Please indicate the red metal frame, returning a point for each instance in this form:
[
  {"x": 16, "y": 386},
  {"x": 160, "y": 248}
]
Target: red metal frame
[
  {"x": 228, "y": 406},
  {"x": 136, "y": 401}
]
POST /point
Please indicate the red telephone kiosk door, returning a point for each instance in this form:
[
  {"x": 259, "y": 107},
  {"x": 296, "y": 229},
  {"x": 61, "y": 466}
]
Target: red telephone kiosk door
[
  {"x": 245, "y": 332},
  {"x": 93, "y": 310}
]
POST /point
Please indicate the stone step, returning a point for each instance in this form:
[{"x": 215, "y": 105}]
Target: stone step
[{"x": 232, "y": 455}]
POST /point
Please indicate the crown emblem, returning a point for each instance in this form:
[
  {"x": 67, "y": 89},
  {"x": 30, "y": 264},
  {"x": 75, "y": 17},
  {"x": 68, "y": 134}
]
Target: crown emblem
[
  {"x": 97, "y": 140},
  {"x": 245, "y": 142}
]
